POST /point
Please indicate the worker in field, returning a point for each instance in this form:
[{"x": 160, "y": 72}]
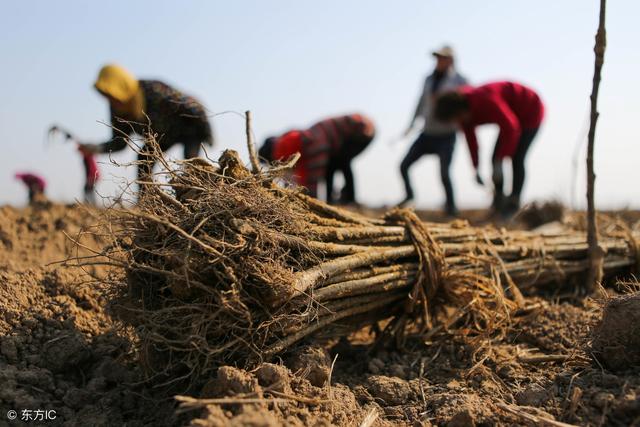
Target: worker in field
[
  {"x": 91, "y": 170},
  {"x": 35, "y": 184},
  {"x": 436, "y": 138},
  {"x": 91, "y": 176},
  {"x": 327, "y": 147},
  {"x": 149, "y": 106},
  {"x": 517, "y": 110}
]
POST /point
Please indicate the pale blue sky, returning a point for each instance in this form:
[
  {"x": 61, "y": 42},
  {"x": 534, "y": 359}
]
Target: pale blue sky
[{"x": 293, "y": 62}]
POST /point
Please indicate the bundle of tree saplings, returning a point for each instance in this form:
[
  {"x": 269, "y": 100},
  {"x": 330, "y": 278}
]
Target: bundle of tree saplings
[{"x": 224, "y": 266}]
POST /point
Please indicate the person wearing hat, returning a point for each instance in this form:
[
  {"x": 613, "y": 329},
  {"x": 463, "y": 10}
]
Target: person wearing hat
[
  {"x": 325, "y": 148},
  {"x": 436, "y": 138},
  {"x": 517, "y": 110},
  {"x": 149, "y": 107}
]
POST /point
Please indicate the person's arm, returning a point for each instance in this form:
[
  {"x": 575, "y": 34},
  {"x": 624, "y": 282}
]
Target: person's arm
[
  {"x": 118, "y": 140},
  {"x": 472, "y": 144},
  {"x": 419, "y": 111},
  {"x": 91, "y": 171},
  {"x": 462, "y": 80},
  {"x": 510, "y": 130},
  {"x": 119, "y": 136}
]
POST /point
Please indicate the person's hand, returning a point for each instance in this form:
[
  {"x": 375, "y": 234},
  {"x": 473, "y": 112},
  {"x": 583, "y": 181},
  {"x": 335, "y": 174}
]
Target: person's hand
[
  {"x": 479, "y": 179},
  {"x": 89, "y": 148}
]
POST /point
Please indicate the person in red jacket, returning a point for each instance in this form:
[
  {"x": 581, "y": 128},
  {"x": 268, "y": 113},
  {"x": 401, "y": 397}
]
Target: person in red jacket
[
  {"x": 327, "y": 147},
  {"x": 91, "y": 175},
  {"x": 518, "y": 112},
  {"x": 35, "y": 185}
]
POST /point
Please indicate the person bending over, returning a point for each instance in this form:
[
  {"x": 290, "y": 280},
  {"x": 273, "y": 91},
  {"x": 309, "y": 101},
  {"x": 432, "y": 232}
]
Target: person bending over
[
  {"x": 517, "y": 110},
  {"x": 143, "y": 106},
  {"x": 327, "y": 147},
  {"x": 35, "y": 184}
]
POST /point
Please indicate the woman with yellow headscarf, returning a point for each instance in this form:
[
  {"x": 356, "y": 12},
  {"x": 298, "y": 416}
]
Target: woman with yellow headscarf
[{"x": 150, "y": 106}]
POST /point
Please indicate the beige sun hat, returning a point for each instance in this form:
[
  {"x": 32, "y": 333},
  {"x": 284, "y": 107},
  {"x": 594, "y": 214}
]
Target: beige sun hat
[{"x": 445, "y": 51}]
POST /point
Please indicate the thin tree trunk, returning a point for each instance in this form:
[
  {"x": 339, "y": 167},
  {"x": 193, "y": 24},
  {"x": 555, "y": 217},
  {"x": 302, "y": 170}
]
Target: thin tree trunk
[{"x": 596, "y": 253}]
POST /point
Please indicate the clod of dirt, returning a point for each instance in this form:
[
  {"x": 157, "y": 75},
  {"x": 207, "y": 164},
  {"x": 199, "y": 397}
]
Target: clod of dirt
[
  {"x": 77, "y": 398},
  {"x": 336, "y": 406},
  {"x": 533, "y": 395},
  {"x": 231, "y": 381},
  {"x": 313, "y": 363},
  {"x": 391, "y": 390},
  {"x": 616, "y": 339},
  {"x": 398, "y": 370},
  {"x": 603, "y": 399},
  {"x": 274, "y": 377},
  {"x": 65, "y": 351},
  {"x": 462, "y": 419},
  {"x": 114, "y": 372},
  {"x": 9, "y": 349},
  {"x": 375, "y": 365},
  {"x": 214, "y": 416}
]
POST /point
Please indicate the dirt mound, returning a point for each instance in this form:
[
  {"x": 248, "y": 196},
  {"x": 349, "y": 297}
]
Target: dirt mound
[
  {"x": 536, "y": 214},
  {"x": 42, "y": 234},
  {"x": 314, "y": 364},
  {"x": 616, "y": 340},
  {"x": 58, "y": 347},
  {"x": 274, "y": 395}
]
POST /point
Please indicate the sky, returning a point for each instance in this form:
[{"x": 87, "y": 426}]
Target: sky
[{"x": 295, "y": 62}]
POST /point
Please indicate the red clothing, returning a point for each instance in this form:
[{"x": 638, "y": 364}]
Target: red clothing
[
  {"x": 319, "y": 144},
  {"x": 33, "y": 181},
  {"x": 512, "y": 106},
  {"x": 325, "y": 139},
  {"x": 91, "y": 171},
  {"x": 286, "y": 146}
]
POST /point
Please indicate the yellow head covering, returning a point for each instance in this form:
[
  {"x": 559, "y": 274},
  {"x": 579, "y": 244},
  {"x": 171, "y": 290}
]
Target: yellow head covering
[{"x": 121, "y": 85}]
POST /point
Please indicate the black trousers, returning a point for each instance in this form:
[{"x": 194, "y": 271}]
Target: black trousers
[
  {"x": 440, "y": 145},
  {"x": 341, "y": 162},
  {"x": 517, "y": 164}
]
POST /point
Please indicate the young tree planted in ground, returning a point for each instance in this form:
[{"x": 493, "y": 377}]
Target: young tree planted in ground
[{"x": 596, "y": 253}]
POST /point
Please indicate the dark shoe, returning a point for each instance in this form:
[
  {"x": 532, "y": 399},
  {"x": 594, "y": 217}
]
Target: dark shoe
[{"x": 510, "y": 207}]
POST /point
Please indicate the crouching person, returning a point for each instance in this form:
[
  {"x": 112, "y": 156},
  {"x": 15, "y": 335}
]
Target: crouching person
[
  {"x": 140, "y": 106},
  {"x": 325, "y": 148},
  {"x": 518, "y": 112}
]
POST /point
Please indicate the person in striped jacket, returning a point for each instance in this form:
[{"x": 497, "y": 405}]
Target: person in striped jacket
[{"x": 327, "y": 147}]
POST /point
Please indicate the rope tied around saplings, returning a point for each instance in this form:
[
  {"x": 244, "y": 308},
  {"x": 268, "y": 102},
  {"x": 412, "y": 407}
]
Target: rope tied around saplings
[{"x": 431, "y": 261}]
